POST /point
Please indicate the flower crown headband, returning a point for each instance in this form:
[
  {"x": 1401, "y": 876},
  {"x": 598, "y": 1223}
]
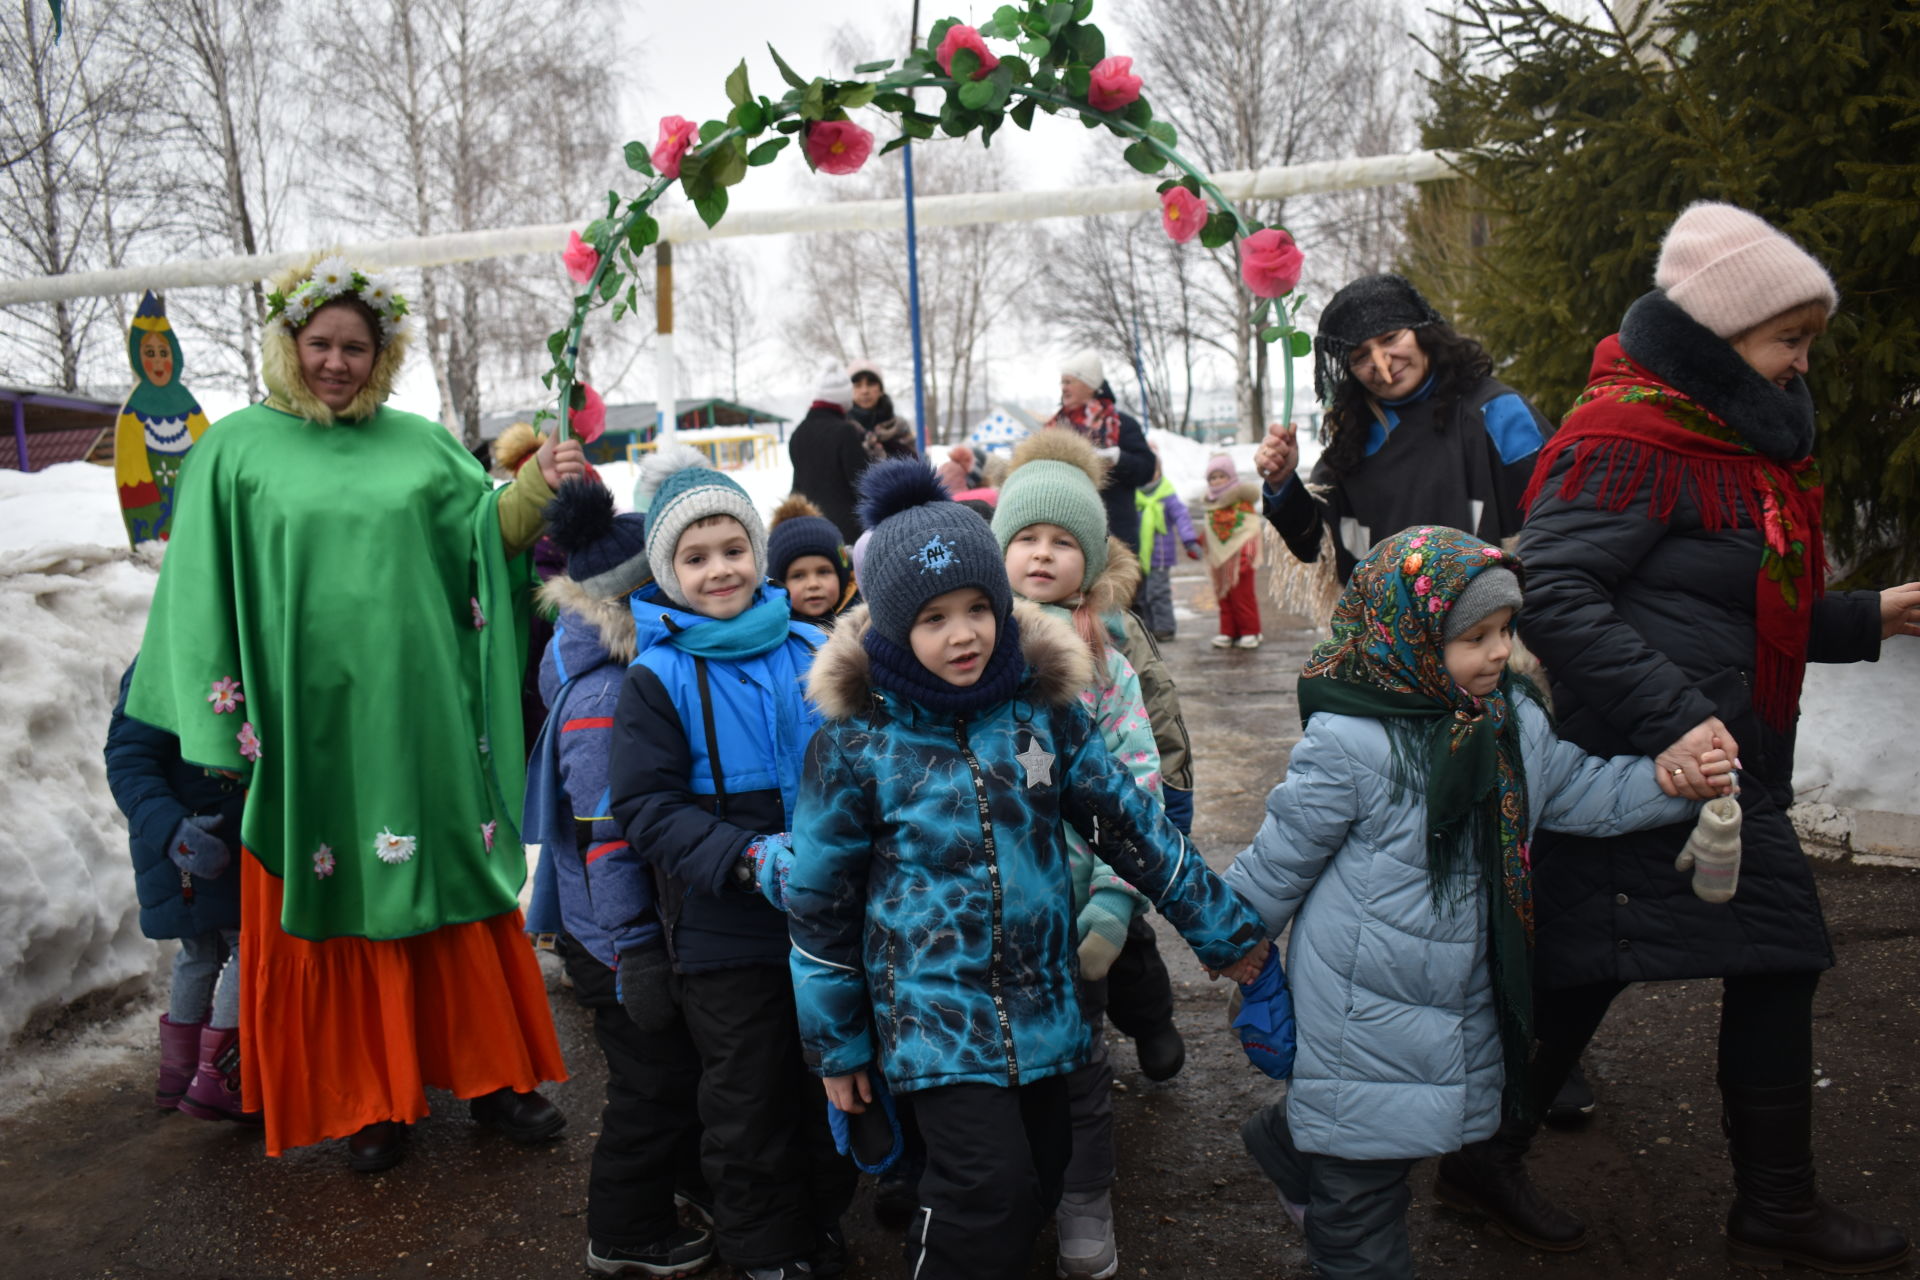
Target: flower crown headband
[{"x": 332, "y": 279}]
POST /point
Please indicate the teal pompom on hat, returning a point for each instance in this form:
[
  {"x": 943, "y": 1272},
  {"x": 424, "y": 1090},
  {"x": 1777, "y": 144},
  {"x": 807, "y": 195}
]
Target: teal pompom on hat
[
  {"x": 1056, "y": 479},
  {"x": 677, "y": 488}
]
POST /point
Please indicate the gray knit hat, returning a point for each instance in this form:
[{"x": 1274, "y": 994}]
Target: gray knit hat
[
  {"x": 922, "y": 544},
  {"x": 1056, "y": 479},
  {"x": 677, "y": 487},
  {"x": 1491, "y": 590}
]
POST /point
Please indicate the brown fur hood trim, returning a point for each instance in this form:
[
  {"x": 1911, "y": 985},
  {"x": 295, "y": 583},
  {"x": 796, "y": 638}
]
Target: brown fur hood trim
[
  {"x": 612, "y": 619},
  {"x": 1245, "y": 491},
  {"x": 793, "y": 507},
  {"x": 1115, "y": 586},
  {"x": 841, "y": 682},
  {"x": 514, "y": 446},
  {"x": 280, "y": 364},
  {"x": 1057, "y": 444}
]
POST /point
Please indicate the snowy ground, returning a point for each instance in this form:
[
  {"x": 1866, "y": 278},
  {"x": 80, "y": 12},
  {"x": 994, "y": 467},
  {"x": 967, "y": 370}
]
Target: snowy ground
[{"x": 73, "y": 603}]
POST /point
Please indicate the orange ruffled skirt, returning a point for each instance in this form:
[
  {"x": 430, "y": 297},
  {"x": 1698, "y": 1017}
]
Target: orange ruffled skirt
[{"x": 337, "y": 1035}]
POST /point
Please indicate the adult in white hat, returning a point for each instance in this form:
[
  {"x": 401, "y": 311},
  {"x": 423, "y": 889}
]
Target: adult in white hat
[
  {"x": 1087, "y": 408},
  {"x": 829, "y": 452}
]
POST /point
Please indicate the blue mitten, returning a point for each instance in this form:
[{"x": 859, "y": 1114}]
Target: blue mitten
[
  {"x": 772, "y": 858},
  {"x": 196, "y": 850},
  {"x": 1265, "y": 1020},
  {"x": 872, "y": 1137}
]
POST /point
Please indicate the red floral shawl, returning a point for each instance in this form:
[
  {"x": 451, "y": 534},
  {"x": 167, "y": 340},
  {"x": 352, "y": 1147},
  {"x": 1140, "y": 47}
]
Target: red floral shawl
[{"x": 1640, "y": 433}]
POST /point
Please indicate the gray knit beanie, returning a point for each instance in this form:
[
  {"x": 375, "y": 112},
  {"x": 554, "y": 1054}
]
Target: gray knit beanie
[
  {"x": 678, "y": 487},
  {"x": 1490, "y": 590},
  {"x": 921, "y": 544}
]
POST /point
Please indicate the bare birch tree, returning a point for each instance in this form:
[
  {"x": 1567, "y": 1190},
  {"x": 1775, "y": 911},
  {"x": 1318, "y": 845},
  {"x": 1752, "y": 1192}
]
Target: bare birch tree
[{"x": 723, "y": 311}]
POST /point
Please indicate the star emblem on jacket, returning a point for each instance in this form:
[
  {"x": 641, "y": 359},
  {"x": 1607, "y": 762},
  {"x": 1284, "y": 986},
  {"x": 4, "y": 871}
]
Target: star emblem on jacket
[{"x": 1038, "y": 762}]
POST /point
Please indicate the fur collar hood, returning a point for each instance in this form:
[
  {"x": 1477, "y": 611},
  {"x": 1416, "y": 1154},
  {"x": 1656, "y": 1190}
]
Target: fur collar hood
[
  {"x": 1115, "y": 587},
  {"x": 1704, "y": 367},
  {"x": 287, "y": 389},
  {"x": 841, "y": 682},
  {"x": 611, "y": 620}
]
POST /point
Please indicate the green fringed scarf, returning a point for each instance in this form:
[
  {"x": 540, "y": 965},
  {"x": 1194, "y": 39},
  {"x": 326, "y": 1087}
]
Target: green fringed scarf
[{"x": 1385, "y": 660}]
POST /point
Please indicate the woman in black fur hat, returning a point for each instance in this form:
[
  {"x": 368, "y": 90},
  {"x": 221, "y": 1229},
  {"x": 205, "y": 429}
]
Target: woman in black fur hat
[{"x": 1419, "y": 431}]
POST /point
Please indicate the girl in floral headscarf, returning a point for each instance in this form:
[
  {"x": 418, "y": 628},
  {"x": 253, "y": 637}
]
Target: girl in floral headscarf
[
  {"x": 1397, "y": 846},
  {"x": 1232, "y": 537}
]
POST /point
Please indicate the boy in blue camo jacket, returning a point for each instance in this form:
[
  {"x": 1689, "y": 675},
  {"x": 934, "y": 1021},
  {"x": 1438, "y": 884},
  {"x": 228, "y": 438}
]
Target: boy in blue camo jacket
[{"x": 930, "y": 902}]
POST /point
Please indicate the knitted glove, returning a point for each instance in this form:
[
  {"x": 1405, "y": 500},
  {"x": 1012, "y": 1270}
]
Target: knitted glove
[
  {"x": 1193, "y": 551},
  {"x": 1712, "y": 852},
  {"x": 196, "y": 850},
  {"x": 1103, "y": 933},
  {"x": 640, "y": 984},
  {"x": 771, "y": 858}
]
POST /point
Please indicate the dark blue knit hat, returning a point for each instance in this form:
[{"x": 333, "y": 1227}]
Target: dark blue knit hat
[
  {"x": 798, "y": 529},
  {"x": 606, "y": 552},
  {"x": 923, "y": 544}
]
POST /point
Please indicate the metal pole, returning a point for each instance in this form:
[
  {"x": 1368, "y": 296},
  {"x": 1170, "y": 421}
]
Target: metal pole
[
  {"x": 20, "y": 432},
  {"x": 913, "y": 275}
]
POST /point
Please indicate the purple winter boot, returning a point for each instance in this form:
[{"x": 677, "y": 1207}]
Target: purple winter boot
[
  {"x": 179, "y": 1050},
  {"x": 215, "y": 1091}
]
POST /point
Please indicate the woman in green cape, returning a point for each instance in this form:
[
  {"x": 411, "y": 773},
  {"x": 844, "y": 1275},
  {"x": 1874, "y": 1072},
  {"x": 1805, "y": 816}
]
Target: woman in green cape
[{"x": 340, "y": 622}]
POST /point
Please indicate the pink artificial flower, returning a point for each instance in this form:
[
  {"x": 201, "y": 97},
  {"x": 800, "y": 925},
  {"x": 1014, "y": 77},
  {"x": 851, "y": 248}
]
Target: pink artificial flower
[
  {"x": 226, "y": 695},
  {"x": 1114, "y": 86},
  {"x": 486, "y": 833},
  {"x": 479, "y": 618},
  {"x": 1270, "y": 263},
  {"x": 590, "y": 419},
  {"x": 838, "y": 146},
  {"x": 249, "y": 742},
  {"x": 581, "y": 259},
  {"x": 1183, "y": 214},
  {"x": 958, "y": 38},
  {"x": 323, "y": 861},
  {"x": 677, "y": 136}
]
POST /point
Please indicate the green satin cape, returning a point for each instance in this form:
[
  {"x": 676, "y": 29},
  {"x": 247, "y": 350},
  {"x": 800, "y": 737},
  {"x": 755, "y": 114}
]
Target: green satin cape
[{"x": 352, "y": 582}]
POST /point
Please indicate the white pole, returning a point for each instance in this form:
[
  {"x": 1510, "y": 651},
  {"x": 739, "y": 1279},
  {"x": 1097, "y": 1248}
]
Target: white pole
[{"x": 851, "y": 215}]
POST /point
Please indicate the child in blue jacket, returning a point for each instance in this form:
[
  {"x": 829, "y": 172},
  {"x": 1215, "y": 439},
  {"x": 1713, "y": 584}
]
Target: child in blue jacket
[
  {"x": 1398, "y": 846},
  {"x": 930, "y": 894},
  {"x": 182, "y": 821},
  {"x": 603, "y": 895},
  {"x": 708, "y": 737}
]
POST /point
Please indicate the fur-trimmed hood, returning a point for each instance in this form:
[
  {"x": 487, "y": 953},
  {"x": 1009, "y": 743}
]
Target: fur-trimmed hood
[
  {"x": 1244, "y": 491},
  {"x": 1117, "y": 583},
  {"x": 280, "y": 364},
  {"x": 610, "y": 620},
  {"x": 841, "y": 682}
]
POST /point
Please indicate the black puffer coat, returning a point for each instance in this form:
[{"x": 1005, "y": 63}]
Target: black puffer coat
[
  {"x": 1647, "y": 628},
  {"x": 829, "y": 454}
]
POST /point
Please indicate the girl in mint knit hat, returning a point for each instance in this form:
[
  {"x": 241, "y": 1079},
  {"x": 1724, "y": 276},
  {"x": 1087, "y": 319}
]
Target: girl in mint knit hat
[{"x": 1052, "y": 528}]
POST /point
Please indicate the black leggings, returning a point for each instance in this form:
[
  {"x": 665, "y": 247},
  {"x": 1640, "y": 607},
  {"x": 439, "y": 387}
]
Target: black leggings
[{"x": 1766, "y": 1030}]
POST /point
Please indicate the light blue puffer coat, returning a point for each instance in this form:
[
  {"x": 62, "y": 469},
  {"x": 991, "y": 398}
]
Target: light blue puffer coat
[{"x": 1399, "y": 1051}]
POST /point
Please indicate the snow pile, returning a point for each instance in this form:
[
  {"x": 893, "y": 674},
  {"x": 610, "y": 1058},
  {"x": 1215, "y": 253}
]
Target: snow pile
[
  {"x": 1855, "y": 751},
  {"x": 71, "y": 617}
]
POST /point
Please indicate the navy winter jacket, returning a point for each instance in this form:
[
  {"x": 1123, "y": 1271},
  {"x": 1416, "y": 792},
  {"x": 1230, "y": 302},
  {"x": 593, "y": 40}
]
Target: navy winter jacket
[
  {"x": 601, "y": 888},
  {"x": 688, "y": 821},
  {"x": 931, "y": 898},
  {"x": 155, "y": 788}
]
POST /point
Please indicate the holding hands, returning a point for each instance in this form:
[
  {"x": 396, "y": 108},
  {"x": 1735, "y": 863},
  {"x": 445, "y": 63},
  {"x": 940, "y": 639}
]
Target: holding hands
[
  {"x": 1700, "y": 765},
  {"x": 1279, "y": 454},
  {"x": 1247, "y": 967}
]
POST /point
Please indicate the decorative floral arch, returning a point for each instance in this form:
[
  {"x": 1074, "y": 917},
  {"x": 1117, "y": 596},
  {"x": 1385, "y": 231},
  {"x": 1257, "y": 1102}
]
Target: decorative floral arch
[{"x": 1061, "y": 65}]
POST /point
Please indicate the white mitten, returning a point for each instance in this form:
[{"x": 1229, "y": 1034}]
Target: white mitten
[{"x": 1713, "y": 850}]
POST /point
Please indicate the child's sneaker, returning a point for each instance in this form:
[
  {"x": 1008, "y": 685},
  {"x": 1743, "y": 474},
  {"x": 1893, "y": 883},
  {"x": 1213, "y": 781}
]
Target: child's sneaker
[
  {"x": 681, "y": 1254},
  {"x": 1223, "y": 641},
  {"x": 830, "y": 1254},
  {"x": 798, "y": 1269},
  {"x": 1087, "y": 1249},
  {"x": 1249, "y": 642}
]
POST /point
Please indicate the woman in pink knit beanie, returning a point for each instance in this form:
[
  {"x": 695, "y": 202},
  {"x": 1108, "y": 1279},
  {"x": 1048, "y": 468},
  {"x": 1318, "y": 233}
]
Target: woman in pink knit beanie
[{"x": 1676, "y": 590}]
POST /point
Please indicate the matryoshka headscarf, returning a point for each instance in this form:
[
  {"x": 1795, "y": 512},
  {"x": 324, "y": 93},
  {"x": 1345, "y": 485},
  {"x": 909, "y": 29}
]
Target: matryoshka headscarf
[{"x": 1385, "y": 660}]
